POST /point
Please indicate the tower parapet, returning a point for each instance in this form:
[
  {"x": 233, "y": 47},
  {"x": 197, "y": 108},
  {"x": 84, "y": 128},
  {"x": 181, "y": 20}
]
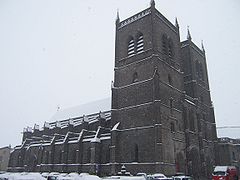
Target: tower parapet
[{"x": 134, "y": 18}]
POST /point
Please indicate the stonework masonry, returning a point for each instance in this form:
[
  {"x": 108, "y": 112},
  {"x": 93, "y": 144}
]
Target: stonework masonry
[
  {"x": 228, "y": 152},
  {"x": 161, "y": 120},
  {"x": 4, "y": 157}
]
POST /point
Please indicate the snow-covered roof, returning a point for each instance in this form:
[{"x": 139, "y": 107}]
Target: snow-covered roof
[
  {"x": 229, "y": 132},
  {"x": 90, "y": 118},
  {"x": 77, "y": 111}
]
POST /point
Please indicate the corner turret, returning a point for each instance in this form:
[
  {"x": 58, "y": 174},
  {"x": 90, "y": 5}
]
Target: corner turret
[
  {"x": 188, "y": 34},
  {"x": 203, "y": 49},
  {"x": 117, "y": 18},
  {"x": 152, "y": 3}
]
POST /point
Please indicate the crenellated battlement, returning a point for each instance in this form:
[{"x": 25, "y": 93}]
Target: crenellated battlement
[{"x": 134, "y": 18}]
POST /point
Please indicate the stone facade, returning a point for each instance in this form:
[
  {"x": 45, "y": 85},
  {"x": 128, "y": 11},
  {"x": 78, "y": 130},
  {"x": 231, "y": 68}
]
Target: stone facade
[
  {"x": 162, "y": 118},
  {"x": 228, "y": 152},
  {"x": 4, "y": 157}
]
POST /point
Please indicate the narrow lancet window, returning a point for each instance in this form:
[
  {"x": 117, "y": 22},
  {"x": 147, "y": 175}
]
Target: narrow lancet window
[
  {"x": 140, "y": 44},
  {"x": 169, "y": 79},
  {"x": 131, "y": 47},
  {"x": 164, "y": 44},
  {"x": 136, "y": 153},
  {"x": 172, "y": 126},
  {"x": 170, "y": 48},
  {"x": 135, "y": 77}
]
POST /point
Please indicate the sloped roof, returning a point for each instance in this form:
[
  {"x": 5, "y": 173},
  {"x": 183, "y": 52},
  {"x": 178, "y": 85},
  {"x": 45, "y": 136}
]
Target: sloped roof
[
  {"x": 90, "y": 118},
  {"x": 84, "y": 109},
  {"x": 228, "y": 132}
]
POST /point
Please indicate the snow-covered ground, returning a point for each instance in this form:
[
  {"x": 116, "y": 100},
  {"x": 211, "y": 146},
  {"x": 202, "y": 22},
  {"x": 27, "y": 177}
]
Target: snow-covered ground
[
  {"x": 21, "y": 176},
  {"x": 51, "y": 176},
  {"x": 62, "y": 176}
]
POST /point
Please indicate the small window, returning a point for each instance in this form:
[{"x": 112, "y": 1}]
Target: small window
[
  {"x": 172, "y": 127},
  {"x": 164, "y": 44},
  {"x": 169, "y": 79},
  {"x": 131, "y": 47},
  {"x": 140, "y": 44},
  {"x": 135, "y": 77},
  {"x": 233, "y": 156},
  {"x": 136, "y": 153},
  {"x": 170, "y": 48},
  {"x": 171, "y": 103}
]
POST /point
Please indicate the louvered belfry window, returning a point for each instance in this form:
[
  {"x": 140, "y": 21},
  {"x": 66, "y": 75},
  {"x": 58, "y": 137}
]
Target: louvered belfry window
[
  {"x": 140, "y": 44},
  {"x": 131, "y": 47}
]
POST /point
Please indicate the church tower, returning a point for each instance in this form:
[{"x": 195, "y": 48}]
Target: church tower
[
  {"x": 198, "y": 111},
  {"x": 147, "y": 94},
  {"x": 161, "y": 120}
]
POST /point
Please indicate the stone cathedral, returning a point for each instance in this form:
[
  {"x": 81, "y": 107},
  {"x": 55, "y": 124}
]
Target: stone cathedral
[{"x": 161, "y": 119}]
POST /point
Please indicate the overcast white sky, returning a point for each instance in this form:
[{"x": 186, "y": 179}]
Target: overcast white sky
[{"x": 61, "y": 53}]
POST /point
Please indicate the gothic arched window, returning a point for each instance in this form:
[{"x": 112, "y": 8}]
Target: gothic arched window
[
  {"x": 164, "y": 44},
  {"x": 167, "y": 46},
  {"x": 172, "y": 127},
  {"x": 130, "y": 51},
  {"x": 140, "y": 43},
  {"x": 170, "y": 48},
  {"x": 135, "y": 153},
  {"x": 233, "y": 156},
  {"x": 171, "y": 103},
  {"x": 169, "y": 79},
  {"x": 135, "y": 77}
]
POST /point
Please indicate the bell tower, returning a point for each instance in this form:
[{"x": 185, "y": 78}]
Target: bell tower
[
  {"x": 147, "y": 63},
  {"x": 147, "y": 91}
]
